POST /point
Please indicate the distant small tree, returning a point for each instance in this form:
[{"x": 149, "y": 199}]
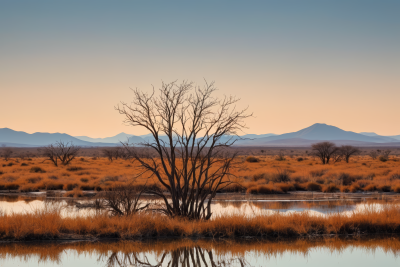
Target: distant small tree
[
  {"x": 373, "y": 154},
  {"x": 385, "y": 155},
  {"x": 108, "y": 153},
  {"x": 280, "y": 156},
  {"x": 67, "y": 152},
  {"x": 337, "y": 156},
  {"x": 348, "y": 151},
  {"x": 7, "y": 153},
  {"x": 113, "y": 153},
  {"x": 64, "y": 152},
  {"x": 324, "y": 151},
  {"x": 51, "y": 153}
]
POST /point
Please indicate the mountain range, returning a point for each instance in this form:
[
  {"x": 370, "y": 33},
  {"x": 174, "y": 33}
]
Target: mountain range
[{"x": 302, "y": 138}]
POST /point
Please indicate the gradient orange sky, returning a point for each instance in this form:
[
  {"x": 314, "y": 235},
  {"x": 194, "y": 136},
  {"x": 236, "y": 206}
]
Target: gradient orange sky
[{"x": 65, "y": 65}]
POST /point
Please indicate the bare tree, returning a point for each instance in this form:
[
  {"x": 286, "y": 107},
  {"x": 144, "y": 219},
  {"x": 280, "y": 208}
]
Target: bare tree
[
  {"x": 67, "y": 152},
  {"x": 373, "y": 154},
  {"x": 61, "y": 151},
  {"x": 337, "y": 156},
  {"x": 324, "y": 151},
  {"x": 108, "y": 153},
  {"x": 385, "y": 154},
  {"x": 349, "y": 151},
  {"x": 113, "y": 153},
  {"x": 192, "y": 163},
  {"x": 51, "y": 152},
  {"x": 7, "y": 153}
]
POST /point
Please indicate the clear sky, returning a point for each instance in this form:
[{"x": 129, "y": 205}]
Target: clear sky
[{"x": 64, "y": 65}]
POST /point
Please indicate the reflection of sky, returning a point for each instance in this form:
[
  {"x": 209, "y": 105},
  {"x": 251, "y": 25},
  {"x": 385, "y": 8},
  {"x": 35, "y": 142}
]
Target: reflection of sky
[
  {"x": 351, "y": 256},
  {"x": 249, "y": 209},
  {"x": 39, "y": 205},
  {"x": 218, "y": 208}
]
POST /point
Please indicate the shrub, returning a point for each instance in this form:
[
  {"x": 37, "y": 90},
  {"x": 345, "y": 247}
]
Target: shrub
[
  {"x": 111, "y": 178},
  {"x": 252, "y": 159},
  {"x": 74, "y": 168},
  {"x": 10, "y": 164},
  {"x": 11, "y": 186},
  {"x": 299, "y": 187},
  {"x": 370, "y": 188},
  {"x": 1, "y": 172},
  {"x": 318, "y": 173},
  {"x": 280, "y": 157},
  {"x": 285, "y": 187},
  {"x": 54, "y": 186},
  {"x": 37, "y": 170},
  {"x": 53, "y": 177},
  {"x": 84, "y": 180},
  {"x": 282, "y": 176},
  {"x": 385, "y": 188},
  {"x": 70, "y": 186},
  {"x": 300, "y": 159},
  {"x": 395, "y": 176},
  {"x": 24, "y": 164},
  {"x": 346, "y": 179},
  {"x": 259, "y": 176},
  {"x": 345, "y": 189},
  {"x": 87, "y": 187},
  {"x": 232, "y": 188},
  {"x": 397, "y": 189},
  {"x": 383, "y": 158},
  {"x": 331, "y": 188},
  {"x": 311, "y": 186},
  {"x": 300, "y": 179},
  {"x": 34, "y": 180},
  {"x": 263, "y": 189}
]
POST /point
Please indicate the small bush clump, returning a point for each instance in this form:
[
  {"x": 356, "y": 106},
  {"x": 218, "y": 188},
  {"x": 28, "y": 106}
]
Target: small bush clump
[
  {"x": 37, "y": 170},
  {"x": 331, "y": 188},
  {"x": 383, "y": 158},
  {"x": 311, "y": 186},
  {"x": 252, "y": 159},
  {"x": 264, "y": 189},
  {"x": 318, "y": 173},
  {"x": 74, "y": 169}
]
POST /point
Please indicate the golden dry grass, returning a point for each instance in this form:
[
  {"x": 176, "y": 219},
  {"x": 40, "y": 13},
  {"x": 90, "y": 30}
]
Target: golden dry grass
[
  {"x": 49, "y": 224},
  {"x": 263, "y": 177}
]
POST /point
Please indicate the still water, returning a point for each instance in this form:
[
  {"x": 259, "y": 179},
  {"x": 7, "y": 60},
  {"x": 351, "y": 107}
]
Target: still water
[
  {"x": 247, "y": 207},
  {"x": 185, "y": 253}
]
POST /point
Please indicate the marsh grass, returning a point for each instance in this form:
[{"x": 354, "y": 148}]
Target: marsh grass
[{"x": 49, "y": 224}]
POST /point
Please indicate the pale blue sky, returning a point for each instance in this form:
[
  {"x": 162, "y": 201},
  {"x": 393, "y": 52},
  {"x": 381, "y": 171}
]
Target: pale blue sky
[{"x": 294, "y": 63}]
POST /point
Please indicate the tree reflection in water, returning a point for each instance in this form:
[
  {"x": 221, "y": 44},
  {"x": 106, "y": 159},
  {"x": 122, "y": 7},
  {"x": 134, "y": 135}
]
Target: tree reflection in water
[{"x": 180, "y": 257}]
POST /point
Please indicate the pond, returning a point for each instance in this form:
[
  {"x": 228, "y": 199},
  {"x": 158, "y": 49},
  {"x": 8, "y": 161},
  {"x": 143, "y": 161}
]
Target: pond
[
  {"x": 212, "y": 253},
  {"x": 235, "y": 205}
]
